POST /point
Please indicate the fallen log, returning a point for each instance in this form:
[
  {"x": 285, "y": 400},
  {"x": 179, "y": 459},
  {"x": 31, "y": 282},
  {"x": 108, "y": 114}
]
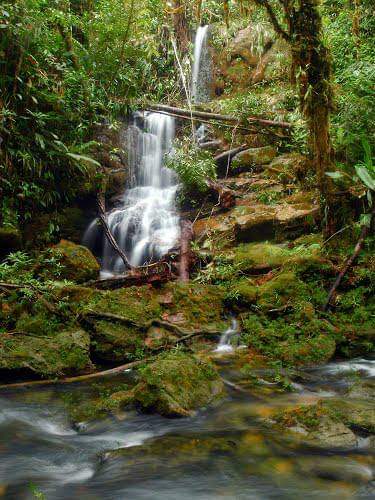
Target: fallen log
[
  {"x": 107, "y": 231},
  {"x": 211, "y": 145},
  {"x": 215, "y": 116},
  {"x": 185, "y": 254}
]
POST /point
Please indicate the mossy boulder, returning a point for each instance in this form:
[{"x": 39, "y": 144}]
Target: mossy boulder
[
  {"x": 176, "y": 385},
  {"x": 116, "y": 342},
  {"x": 290, "y": 339},
  {"x": 316, "y": 424},
  {"x": 285, "y": 288},
  {"x": 70, "y": 261},
  {"x": 288, "y": 167},
  {"x": 66, "y": 352},
  {"x": 260, "y": 256},
  {"x": 253, "y": 157},
  {"x": 10, "y": 240}
]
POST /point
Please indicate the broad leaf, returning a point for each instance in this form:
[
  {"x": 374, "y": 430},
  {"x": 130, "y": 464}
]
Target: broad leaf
[
  {"x": 84, "y": 158},
  {"x": 365, "y": 177},
  {"x": 335, "y": 175}
]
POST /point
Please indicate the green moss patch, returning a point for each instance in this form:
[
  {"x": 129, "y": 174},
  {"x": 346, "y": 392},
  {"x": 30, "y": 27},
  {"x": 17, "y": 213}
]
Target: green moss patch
[{"x": 177, "y": 384}]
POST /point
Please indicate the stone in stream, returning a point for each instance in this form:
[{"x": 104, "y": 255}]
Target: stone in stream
[{"x": 177, "y": 384}]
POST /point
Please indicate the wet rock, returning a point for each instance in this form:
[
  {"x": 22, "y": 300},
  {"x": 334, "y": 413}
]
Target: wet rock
[
  {"x": 76, "y": 263},
  {"x": 253, "y": 157},
  {"x": 288, "y": 167},
  {"x": 251, "y": 221},
  {"x": 66, "y": 352},
  {"x": 244, "y": 45},
  {"x": 176, "y": 385},
  {"x": 316, "y": 424}
]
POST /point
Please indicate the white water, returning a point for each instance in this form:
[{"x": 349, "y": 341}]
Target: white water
[
  {"x": 146, "y": 225},
  {"x": 226, "y": 339},
  {"x": 201, "y": 66}
]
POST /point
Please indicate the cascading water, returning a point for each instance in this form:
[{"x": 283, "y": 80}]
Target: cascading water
[
  {"x": 202, "y": 67},
  {"x": 146, "y": 225},
  {"x": 226, "y": 339}
]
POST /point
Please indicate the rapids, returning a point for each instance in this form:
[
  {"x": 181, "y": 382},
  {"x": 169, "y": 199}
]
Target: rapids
[{"x": 222, "y": 452}]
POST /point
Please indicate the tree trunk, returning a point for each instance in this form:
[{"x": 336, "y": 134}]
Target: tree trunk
[
  {"x": 180, "y": 26},
  {"x": 186, "y": 237}
]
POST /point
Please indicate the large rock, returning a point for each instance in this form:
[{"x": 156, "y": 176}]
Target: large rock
[
  {"x": 288, "y": 167},
  {"x": 251, "y": 221},
  {"x": 176, "y": 385},
  {"x": 316, "y": 424},
  {"x": 246, "y": 45},
  {"x": 253, "y": 157},
  {"x": 75, "y": 262},
  {"x": 66, "y": 352}
]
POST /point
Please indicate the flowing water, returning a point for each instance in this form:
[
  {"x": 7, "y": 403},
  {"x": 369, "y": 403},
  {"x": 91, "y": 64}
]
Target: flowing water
[
  {"x": 227, "y": 339},
  {"x": 222, "y": 452},
  {"x": 146, "y": 224},
  {"x": 202, "y": 67}
]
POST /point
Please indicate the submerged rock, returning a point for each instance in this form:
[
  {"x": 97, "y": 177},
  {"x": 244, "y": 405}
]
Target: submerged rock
[{"x": 177, "y": 384}]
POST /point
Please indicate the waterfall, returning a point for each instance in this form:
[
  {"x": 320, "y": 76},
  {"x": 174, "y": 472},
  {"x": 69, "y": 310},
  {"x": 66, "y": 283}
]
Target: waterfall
[
  {"x": 202, "y": 66},
  {"x": 146, "y": 224},
  {"x": 225, "y": 342}
]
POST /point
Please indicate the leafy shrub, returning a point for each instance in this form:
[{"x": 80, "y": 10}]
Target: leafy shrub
[{"x": 193, "y": 165}]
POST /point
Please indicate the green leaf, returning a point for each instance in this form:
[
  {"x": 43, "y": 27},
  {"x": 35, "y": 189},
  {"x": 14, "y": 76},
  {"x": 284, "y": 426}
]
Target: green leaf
[
  {"x": 84, "y": 158},
  {"x": 335, "y": 175},
  {"x": 365, "y": 177}
]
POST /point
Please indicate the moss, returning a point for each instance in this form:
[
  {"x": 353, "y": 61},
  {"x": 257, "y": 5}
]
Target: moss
[
  {"x": 70, "y": 261},
  {"x": 117, "y": 342},
  {"x": 260, "y": 256},
  {"x": 242, "y": 293},
  {"x": 289, "y": 340},
  {"x": 65, "y": 352},
  {"x": 177, "y": 384},
  {"x": 282, "y": 290},
  {"x": 253, "y": 157}
]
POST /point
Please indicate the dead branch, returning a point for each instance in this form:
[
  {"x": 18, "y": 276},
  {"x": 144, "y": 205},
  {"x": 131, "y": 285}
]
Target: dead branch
[
  {"x": 215, "y": 116},
  {"x": 350, "y": 261},
  {"x": 107, "y": 231}
]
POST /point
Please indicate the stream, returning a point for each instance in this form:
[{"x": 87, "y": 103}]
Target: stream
[{"x": 222, "y": 452}]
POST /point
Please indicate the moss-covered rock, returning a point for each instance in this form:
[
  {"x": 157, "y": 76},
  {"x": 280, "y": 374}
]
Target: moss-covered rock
[
  {"x": 288, "y": 167},
  {"x": 116, "y": 342},
  {"x": 253, "y": 157},
  {"x": 66, "y": 352},
  {"x": 70, "y": 261},
  {"x": 289, "y": 339},
  {"x": 176, "y": 385},
  {"x": 317, "y": 424},
  {"x": 260, "y": 256}
]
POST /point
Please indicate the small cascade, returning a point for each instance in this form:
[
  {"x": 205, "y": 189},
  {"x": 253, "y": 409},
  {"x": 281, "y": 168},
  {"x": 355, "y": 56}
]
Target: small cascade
[
  {"x": 202, "y": 67},
  {"x": 226, "y": 339},
  {"x": 146, "y": 225}
]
